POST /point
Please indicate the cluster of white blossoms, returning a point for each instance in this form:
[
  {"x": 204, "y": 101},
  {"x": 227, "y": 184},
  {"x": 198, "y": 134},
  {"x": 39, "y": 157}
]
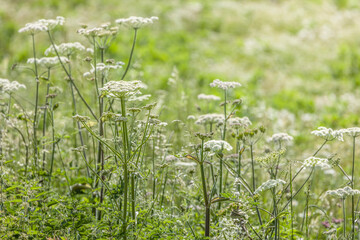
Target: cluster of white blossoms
[
  {"x": 352, "y": 132},
  {"x": 343, "y": 192},
  {"x": 238, "y": 122},
  {"x": 120, "y": 89},
  {"x": 224, "y": 85},
  {"x": 103, "y": 68},
  {"x": 269, "y": 184},
  {"x": 210, "y": 118},
  {"x": 328, "y": 133},
  {"x": 208, "y": 97},
  {"x": 281, "y": 137},
  {"x": 48, "y": 62},
  {"x": 104, "y": 31},
  {"x": 42, "y": 25},
  {"x": 136, "y": 22},
  {"x": 66, "y": 49},
  {"x": 316, "y": 162},
  {"x": 7, "y": 86},
  {"x": 218, "y": 145}
]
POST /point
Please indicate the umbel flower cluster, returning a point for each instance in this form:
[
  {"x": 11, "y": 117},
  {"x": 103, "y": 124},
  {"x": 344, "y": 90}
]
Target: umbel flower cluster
[
  {"x": 8, "y": 87},
  {"x": 281, "y": 137},
  {"x": 66, "y": 49},
  {"x": 136, "y": 22},
  {"x": 217, "y": 145},
  {"x": 120, "y": 89},
  {"x": 316, "y": 162},
  {"x": 210, "y": 118},
  {"x": 238, "y": 122},
  {"x": 224, "y": 85},
  {"x": 269, "y": 184},
  {"x": 104, "y": 68},
  {"x": 343, "y": 192},
  {"x": 328, "y": 134},
  {"x": 42, "y": 25},
  {"x": 48, "y": 62}
]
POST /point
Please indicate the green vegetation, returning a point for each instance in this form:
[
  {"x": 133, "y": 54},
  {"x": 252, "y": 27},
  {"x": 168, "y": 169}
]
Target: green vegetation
[{"x": 213, "y": 120}]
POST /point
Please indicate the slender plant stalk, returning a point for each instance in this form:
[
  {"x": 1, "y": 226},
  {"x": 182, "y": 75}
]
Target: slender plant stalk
[
  {"x": 125, "y": 166},
  {"x": 36, "y": 101},
  {"x": 53, "y": 141},
  {"x": 344, "y": 217},
  {"x": 353, "y": 197},
  {"x": 44, "y": 118},
  {"x": 206, "y": 200},
  {"x": 131, "y": 54}
]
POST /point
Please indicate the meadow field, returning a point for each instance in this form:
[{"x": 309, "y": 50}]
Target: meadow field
[{"x": 179, "y": 119}]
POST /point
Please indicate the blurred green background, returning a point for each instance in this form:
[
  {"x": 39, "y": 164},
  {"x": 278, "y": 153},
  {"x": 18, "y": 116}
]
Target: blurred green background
[{"x": 298, "y": 61}]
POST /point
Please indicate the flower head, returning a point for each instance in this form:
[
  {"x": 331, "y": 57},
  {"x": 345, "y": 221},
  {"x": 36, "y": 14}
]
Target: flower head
[
  {"x": 352, "y": 132},
  {"x": 224, "y": 85},
  {"x": 121, "y": 88},
  {"x": 103, "y": 68},
  {"x": 42, "y": 25},
  {"x": 328, "y": 134},
  {"x": 65, "y": 49},
  {"x": 210, "y": 118},
  {"x": 316, "y": 162},
  {"x": 343, "y": 192},
  {"x": 136, "y": 22},
  {"x": 237, "y": 122},
  {"x": 269, "y": 184},
  {"x": 281, "y": 137},
  {"x": 7, "y": 86},
  {"x": 48, "y": 62},
  {"x": 218, "y": 145}
]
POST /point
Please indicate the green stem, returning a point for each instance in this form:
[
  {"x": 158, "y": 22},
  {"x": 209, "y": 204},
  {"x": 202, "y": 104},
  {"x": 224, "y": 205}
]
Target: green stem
[
  {"x": 352, "y": 197},
  {"x": 36, "y": 101},
  {"x": 131, "y": 55}
]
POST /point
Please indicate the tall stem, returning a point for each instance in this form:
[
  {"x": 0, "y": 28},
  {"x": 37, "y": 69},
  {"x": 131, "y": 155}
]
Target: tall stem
[
  {"x": 126, "y": 174},
  {"x": 44, "y": 118},
  {"x": 344, "y": 217},
  {"x": 36, "y": 101},
  {"x": 206, "y": 200},
  {"x": 352, "y": 197},
  {"x": 131, "y": 55}
]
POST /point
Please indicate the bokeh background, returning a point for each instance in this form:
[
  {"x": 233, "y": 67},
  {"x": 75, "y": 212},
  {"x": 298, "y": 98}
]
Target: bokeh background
[{"x": 298, "y": 61}]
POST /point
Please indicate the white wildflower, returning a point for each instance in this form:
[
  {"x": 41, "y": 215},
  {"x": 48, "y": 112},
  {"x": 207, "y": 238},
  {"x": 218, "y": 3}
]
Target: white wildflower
[
  {"x": 48, "y": 62},
  {"x": 352, "y": 132},
  {"x": 316, "y": 162},
  {"x": 328, "y": 134},
  {"x": 65, "y": 49},
  {"x": 281, "y": 137},
  {"x": 103, "y": 68},
  {"x": 269, "y": 184},
  {"x": 237, "y": 122},
  {"x": 224, "y": 85},
  {"x": 343, "y": 192},
  {"x": 7, "y": 86},
  {"x": 191, "y": 117},
  {"x": 121, "y": 88},
  {"x": 42, "y": 25},
  {"x": 218, "y": 145},
  {"x": 136, "y": 22},
  {"x": 210, "y": 118},
  {"x": 208, "y": 97}
]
